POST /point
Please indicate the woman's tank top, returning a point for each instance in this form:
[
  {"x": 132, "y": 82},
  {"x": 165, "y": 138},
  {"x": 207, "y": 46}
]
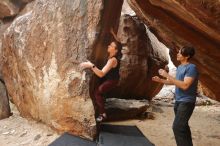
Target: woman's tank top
[{"x": 113, "y": 74}]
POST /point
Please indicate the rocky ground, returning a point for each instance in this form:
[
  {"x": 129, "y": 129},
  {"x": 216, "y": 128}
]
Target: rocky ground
[
  {"x": 18, "y": 131},
  {"x": 205, "y": 125}
]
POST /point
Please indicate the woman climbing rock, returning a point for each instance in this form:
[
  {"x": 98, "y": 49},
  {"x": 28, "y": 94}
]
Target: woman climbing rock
[{"x": 111, "y": 74}]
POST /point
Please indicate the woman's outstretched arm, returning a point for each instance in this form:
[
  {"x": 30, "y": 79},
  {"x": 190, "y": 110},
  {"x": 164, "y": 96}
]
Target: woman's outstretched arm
[
  {"x": 114, "y": 35},
  {"x": 100, "y": 73}
]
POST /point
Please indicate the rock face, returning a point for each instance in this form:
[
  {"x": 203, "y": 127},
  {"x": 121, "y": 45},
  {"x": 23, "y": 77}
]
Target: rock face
[
  {"x": 125, "y": 109},
  {"x": 7, "y": 8},
  {"x": 1, "y": 34},
  {"x": 139, "y": 62},
  {"x": 182, "y": 22},
  {"x": 4, "y": 103},
  {"x": 3, "y": 27},
  {"x": 10, "y": 8},
  {"x": 42, "y": 50},
  {"x": 26, "y": 1}
]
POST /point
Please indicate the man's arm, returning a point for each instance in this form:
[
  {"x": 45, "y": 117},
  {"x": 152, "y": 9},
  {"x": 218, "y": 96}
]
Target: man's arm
[
  {"x": 184, "y": 85},
  {"x": 158, "y": 79}
]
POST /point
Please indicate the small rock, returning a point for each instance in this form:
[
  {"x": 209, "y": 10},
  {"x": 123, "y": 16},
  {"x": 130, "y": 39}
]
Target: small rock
[
  {"x": 6, "y": 133},
  {"x": 25, "y": 142},
  {"x": 12, "y": 131},
  {"x": 37, "y": 137},
  {"x": 23, "y": 134},
  {"x": 147, "y": 115},
  {"x": 49, "y": 134},
  {"x": 125, "y": 109}
]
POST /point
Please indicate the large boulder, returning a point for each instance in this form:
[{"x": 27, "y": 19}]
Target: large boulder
[
  {"x": 42, "y": 50},
  {"x": 5, "y": 111},
  {"x": 139, "y": 62},
  {"x": 1, "y": 34},
  {"x": 26, "y": 1},
  {"x": 182, "y": 22},
  {"x": 4, "y": 101},
  {"x": 3, "y": 27}
]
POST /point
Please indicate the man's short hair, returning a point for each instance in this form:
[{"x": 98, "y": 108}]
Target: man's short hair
[{"x": 187, "y": 51}]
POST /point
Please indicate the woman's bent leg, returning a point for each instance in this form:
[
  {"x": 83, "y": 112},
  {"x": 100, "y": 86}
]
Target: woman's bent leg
[{"x": 103, "y": 88}]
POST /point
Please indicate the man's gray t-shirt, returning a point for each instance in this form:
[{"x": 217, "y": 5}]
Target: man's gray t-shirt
[{"x": 189, "y": 95}]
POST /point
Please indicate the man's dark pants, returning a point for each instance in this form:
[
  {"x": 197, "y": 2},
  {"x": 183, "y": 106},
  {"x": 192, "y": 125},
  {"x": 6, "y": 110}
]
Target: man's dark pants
[{"x": 181, "y": 129}]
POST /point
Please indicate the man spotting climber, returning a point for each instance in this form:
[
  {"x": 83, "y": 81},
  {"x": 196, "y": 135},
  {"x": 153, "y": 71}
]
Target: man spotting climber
[{"x": 186, "y": 82}]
